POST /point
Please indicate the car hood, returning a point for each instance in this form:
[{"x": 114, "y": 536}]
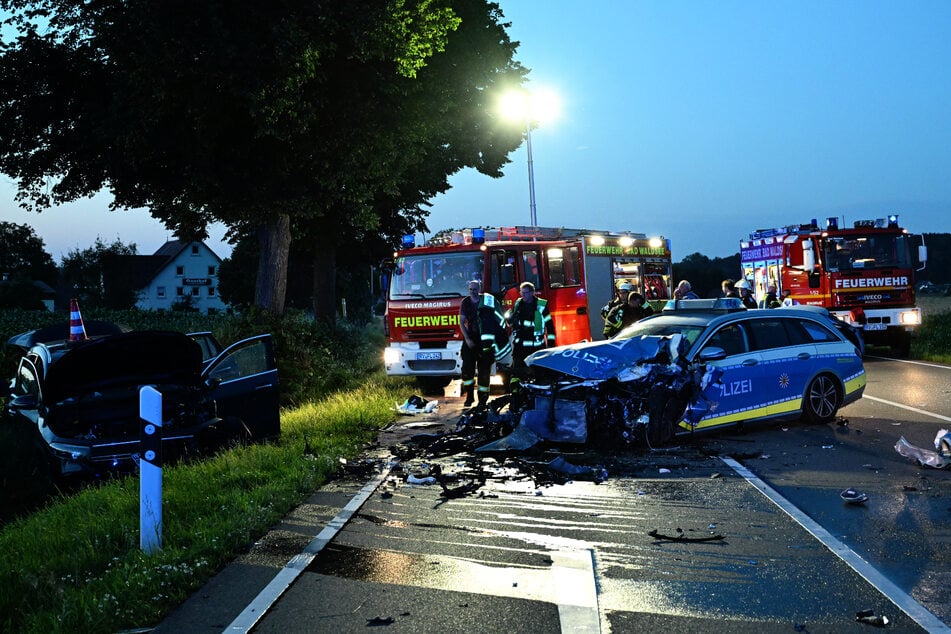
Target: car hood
[
  {"x": 134, "y": 358},
  {"x": 614, "y": 358},
  {"x": 60, "y": 332}
]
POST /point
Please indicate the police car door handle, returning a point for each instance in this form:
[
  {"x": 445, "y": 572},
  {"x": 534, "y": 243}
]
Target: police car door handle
[
  {"x": 750, "y": 362},
  {"x": 803, "y": 356}
]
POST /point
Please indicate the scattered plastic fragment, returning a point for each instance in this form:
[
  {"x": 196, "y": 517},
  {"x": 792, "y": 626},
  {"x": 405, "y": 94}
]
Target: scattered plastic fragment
[
  {"x": 681, "y": 537},
  {"x": 922, "y": 456},
  {"x": 412, "y": 479},
  {"x": 663, "y": 470},
  {"x": 851, "y": 496},
  {"x": 416, "y": 404},
  {"x": 377, "y": 621},
  {"x": 870, "y": 618}
]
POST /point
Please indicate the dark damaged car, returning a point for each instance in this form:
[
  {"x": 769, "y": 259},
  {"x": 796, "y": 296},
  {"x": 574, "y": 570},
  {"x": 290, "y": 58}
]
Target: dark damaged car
[
  {"x": 699, "y": 365},
  {"x": 82, "y": 398}
]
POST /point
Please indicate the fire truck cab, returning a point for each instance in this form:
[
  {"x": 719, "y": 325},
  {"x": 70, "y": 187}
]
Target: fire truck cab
[
  {"x": 864, "y": 275},
  {"x": 575, "y": 270}
]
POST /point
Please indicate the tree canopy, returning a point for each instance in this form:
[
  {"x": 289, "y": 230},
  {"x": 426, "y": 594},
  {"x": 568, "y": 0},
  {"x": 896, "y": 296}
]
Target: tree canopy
[
  {"x": 23, "y": 262},
  {"x": 276, "y": 119}
]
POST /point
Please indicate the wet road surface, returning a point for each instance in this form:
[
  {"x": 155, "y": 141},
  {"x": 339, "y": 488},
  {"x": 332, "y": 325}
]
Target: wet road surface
[{"x": 581, "y": 557}]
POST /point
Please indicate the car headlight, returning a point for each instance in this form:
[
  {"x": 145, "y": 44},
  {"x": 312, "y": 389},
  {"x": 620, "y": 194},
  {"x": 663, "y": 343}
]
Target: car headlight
[
  {"x": 391, "y": 356},
  {"x": 910, "y": 318}
]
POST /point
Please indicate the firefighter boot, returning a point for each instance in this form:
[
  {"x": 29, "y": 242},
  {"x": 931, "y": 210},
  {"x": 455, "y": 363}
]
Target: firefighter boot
[
  {"x": 468, "y": 388},
  {"x": 483, "y": 396}
]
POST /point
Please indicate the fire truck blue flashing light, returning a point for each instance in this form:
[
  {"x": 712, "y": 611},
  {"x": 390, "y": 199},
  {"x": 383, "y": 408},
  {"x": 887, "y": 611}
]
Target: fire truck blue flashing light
[
  {"x": 832, "y": 223},
  {"x": 409, "y": 241},
  {"x": 478, "y": 236},
  {"x": 893, "y": 220}
]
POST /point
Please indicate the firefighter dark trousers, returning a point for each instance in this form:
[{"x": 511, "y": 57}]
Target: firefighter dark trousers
[{"x": 473, "y": 360}]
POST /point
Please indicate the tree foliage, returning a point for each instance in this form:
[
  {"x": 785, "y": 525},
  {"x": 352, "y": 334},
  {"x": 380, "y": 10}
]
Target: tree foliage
[
  {"x": 706, "y": 274},
  {"x": 938, "y": 267},
  {"x": 275, "y": 119},
  {"x": 23, "y": 262},
  {"x": 100, "y": 275}
]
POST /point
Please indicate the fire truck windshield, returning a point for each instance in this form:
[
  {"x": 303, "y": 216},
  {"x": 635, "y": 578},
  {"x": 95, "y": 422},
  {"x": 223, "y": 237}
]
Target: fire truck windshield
[
  {"x": 435, "y": 274},
  {"x": 874, "y": 251}
]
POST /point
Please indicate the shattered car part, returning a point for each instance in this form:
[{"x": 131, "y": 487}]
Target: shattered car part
[
  {"x": 851, "y": 496},
  {"x": 925, "y": 457}
]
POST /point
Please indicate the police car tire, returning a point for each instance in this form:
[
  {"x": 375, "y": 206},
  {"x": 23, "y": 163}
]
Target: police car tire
[{"x": 821, "y": 400}]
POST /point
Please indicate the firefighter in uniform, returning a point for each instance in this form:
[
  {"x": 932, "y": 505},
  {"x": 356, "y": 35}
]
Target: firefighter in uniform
[
  {"x": 620, "y": 297},
  {"x": 532, "y": 329},
  {"x": 485, "y": 339}
]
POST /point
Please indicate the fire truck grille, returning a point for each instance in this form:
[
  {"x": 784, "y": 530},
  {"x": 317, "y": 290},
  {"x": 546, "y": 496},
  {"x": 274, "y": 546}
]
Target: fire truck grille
[
  {"x": 431, "y": 335},
  {"x": 432, "y": 366}
]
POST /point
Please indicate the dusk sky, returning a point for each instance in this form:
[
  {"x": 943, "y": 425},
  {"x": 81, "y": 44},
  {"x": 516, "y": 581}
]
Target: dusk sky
[{"x": 698, "y": 121}]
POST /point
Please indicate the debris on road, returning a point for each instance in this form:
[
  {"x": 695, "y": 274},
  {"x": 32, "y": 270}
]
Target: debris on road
[
  {"x": 416, "y": 404},
  {"x": 938, "y": 459},
  {"x": 870, "y": 618},
  {"x": 682, "y": 537},
  {"x": 851, "y": 496}
]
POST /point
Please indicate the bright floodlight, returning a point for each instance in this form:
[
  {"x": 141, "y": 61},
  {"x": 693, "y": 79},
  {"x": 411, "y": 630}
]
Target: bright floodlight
[
  {"x": 529, "y": 109},
  {"x": 537, "y": 106}
]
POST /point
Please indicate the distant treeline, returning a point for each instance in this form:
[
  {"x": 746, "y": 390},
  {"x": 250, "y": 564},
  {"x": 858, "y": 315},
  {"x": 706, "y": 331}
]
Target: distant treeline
[{"x": 705, "y": 274}]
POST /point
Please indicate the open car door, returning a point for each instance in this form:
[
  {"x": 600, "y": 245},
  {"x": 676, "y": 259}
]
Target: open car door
[{"x": 247, "y": 385}]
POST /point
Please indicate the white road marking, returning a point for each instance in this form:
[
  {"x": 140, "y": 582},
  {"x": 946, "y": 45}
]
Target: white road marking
[
  {"x": 298, "y": 563},
  {"x": 577, "y": 590},
  {"x": 927, "y": 365},
  {"x": 896, "y": 595},
  {"x": 908, "y": 407}
]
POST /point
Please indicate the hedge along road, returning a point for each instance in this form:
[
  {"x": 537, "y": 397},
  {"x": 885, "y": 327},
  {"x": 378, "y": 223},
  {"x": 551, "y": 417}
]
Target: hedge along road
[{"x": 575, "y": 557}]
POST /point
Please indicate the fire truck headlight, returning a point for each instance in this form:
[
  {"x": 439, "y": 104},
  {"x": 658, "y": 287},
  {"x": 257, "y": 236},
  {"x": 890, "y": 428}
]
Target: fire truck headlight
[
  {"x": 391, "y": 356},
  {"x": 910, "y": 318}
]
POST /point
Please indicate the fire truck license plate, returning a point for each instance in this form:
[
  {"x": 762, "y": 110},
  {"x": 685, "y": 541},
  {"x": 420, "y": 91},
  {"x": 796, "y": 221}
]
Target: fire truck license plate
[
  {"x": 875, "y": 326},
  {"x": 428, "y": 356}
]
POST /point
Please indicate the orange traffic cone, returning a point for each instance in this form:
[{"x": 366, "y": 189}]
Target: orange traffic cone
[{"x": 77, "y": 331}]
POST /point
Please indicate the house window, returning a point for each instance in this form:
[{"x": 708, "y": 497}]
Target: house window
[
  {"x": 194, "y": 249},
  {"x": 180, "y": 271},
  {"x": 180, "y": 291},
  {"x": 211, "y": 291},
  {"x": 211, "y": 270},
  {"x": 195, "y": 291},
  {"x": 160, "y": 292}
]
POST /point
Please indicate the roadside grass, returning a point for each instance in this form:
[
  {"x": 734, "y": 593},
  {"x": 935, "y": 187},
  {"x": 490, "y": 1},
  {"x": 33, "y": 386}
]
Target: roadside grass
[
  {"x": 932, "y": 342},
  {"x": 76, "y": 565}
]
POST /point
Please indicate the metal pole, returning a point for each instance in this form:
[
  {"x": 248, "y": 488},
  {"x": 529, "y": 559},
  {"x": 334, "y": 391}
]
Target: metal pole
[{"x": 531, "y": 170}]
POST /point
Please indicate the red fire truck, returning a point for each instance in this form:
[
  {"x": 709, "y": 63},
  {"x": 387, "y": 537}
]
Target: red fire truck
[
  {"x": 864, "y": 275},
  {"x": 575, "y": 270}
]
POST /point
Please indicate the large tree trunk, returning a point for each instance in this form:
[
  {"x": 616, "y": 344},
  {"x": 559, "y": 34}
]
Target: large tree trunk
[
  {"x": 325, "y": 282},
  {"x": 274, "y": 238}
]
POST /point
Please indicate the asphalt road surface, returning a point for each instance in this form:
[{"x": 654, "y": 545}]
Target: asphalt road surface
[{"x": 743, "y": 532}]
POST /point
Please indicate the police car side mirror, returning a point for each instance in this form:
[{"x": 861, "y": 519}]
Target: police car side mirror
[{"x": 712, "y": 353}]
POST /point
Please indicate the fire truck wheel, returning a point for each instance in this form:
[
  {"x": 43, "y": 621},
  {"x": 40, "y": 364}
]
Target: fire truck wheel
[{"x": 822, "y": 399}]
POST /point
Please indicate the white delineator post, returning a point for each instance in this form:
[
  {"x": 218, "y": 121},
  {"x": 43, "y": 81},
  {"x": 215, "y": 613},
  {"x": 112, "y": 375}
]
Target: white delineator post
[{"x": 150, "y": 470}]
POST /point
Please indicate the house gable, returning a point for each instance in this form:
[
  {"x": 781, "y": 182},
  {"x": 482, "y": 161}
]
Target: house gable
[{"x": 183, "y": 272}]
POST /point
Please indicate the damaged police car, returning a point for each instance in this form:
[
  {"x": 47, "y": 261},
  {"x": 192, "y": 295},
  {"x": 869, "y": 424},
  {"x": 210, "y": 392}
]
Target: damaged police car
[
  {"x": 82, "y": 397},
  {"x": 698, "y": 365}
]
